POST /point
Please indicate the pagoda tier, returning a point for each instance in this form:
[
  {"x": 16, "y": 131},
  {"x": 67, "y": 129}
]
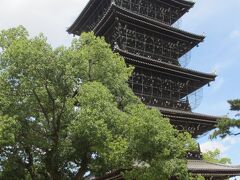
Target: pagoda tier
[
  {"x": 156, "y": 40},
  {"x": 161, "y": 84},
  {"x": 160, "y": 89},
  {"x": 195, "y": 123},
  {"x": 167, "y": 87},
  {"x": 166, "y": 11}
]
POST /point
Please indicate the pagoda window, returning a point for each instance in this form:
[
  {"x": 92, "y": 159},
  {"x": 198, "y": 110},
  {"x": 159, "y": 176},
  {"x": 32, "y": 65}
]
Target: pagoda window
[
  {"x": 135, "y": 5},
  {"x": 157, "y": 92},
  {"x": 149, "y": 44},
  {"x": 147, "y": 89},
  {"x": 159, "y": 13},
  {"x": 143, "y": 8},
  {"x": 152, "y": 11},
  {"x": 137, "y": 88}
]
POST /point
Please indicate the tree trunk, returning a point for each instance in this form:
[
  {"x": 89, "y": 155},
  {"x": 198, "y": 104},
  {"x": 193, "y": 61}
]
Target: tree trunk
[
  {"x": 83, "y": 168},
  {"x": 52, "y": 165}
]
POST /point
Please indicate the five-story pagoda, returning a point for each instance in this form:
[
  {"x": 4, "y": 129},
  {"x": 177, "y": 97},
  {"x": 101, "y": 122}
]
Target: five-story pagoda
[{"x": 143, "y": 32}]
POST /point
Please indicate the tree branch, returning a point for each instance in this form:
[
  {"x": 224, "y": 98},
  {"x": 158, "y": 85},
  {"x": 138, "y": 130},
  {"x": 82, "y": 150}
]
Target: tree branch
[
  {"x": 61, "y": 113},
  {"x": 41, "y": 106},
  {"x": 90, "y": 70},
  {"x": 235, "y": 134},
  {"x": 29, "y": 165},
  {"x": 53, "y": 105},
  {"x": 50, "y": 97}
]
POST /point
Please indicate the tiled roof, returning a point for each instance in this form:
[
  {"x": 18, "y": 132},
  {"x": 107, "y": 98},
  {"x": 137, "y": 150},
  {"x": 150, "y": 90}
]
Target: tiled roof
[
  {"x": 208, "y": 168},
  {"x": 188, "y": 113}
]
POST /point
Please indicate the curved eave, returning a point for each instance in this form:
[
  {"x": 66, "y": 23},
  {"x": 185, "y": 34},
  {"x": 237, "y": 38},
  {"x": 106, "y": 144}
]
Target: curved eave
[
  {"x": 148, "y": 62},
  {"x": 82, "y": 16},
  {"x": 181, "y": 3},
  {"x": 206, "y": 122},
  {"x": 189, "y": 115},
  {"x": 88, "y": 10},
  {"x": 115, "y": 11},
  {"x": 153, "y": 24}
]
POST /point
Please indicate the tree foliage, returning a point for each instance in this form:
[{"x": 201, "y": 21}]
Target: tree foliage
[
  {"x": 214, "y": 157},
  {"x": 225, "y": 125},
  {"x": 68, "y": 111}
]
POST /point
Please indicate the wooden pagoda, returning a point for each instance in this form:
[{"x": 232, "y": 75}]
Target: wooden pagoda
[{"x": 143, "y": 32}]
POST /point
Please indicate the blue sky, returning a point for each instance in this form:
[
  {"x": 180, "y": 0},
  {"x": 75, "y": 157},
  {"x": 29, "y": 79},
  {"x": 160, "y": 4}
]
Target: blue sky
[{"x": 220, "y": 52}]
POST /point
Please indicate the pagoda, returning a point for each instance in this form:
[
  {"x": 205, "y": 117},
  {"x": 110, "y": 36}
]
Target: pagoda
[{"x": 144, "y": 33}]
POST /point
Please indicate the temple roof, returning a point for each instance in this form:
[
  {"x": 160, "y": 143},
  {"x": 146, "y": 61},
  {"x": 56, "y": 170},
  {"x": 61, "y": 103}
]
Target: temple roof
[
  {"x": 118, "y": 14},
  {"x": 189, "y": 115},
  {"x": 77, "y": 25},
  {"x": 158, "y": 65},
  {"x": 76, "y": 28},
  {"x": 209, "y": 169},
  {"x": 196, "y": 167},
  {"x": 115, "y": 13},
  {"x": 157, "y": 24},
  {"x": 195, "y": 123},
  {"x": 165, "y": 68},
  {"x": 185, "y": 5}
]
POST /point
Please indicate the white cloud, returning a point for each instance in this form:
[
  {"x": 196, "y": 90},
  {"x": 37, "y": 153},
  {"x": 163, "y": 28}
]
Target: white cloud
[
  {"x": 212, "y": 145},
  {"x": 50, "y": 17},
  {"x": 224, "y": 145}
]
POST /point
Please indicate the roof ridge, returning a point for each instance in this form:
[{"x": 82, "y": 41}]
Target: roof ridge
[{"x": 223, "y": 165}]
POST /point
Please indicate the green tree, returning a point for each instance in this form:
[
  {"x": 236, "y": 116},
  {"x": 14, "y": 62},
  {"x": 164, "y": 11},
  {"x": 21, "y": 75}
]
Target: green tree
[
  {"x": 67, "y": 112},
  {"x": 225, "y": 125},
  {"x": 197, "y": 177},
  {"x": 214, "y": 157}
]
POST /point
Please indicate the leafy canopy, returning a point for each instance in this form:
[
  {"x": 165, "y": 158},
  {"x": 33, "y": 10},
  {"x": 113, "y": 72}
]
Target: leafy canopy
[
  {"x": 68, "y": 112},
  {"x": 214, "y": 157}
]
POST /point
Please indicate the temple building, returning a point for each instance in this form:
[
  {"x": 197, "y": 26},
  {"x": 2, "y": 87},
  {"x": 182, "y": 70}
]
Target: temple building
[{"x": 144, "y": 32}]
